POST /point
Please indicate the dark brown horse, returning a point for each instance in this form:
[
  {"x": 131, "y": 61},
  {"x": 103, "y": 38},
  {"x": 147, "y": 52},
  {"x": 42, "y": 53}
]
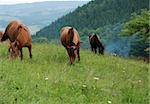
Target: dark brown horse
[
  {"x": 96, "y": 43},
  {"x": 19, "y": 36},
  {"x": 71, "y": 41}
]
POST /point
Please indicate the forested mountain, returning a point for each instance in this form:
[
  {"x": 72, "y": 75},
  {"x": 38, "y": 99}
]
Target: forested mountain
[
  {"x": 105, "y": 17},
  {"x": 36, "y": 15}
]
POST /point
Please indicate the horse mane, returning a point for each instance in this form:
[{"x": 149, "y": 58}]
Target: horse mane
[
  {"x": 95, "y": 36},
  {"x": 71, "y": 36}
]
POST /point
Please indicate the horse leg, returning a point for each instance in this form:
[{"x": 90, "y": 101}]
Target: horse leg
[
  {"x": 21, "y": 56},
  {"x": 69, "y": 56},
  {"x": 78, "y": 53},
  {"x": 30, "y": 51}
]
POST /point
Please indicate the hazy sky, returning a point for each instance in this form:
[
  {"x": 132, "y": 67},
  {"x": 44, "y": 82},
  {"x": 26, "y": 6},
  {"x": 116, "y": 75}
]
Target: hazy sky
[{"x": 29, "y": 1}]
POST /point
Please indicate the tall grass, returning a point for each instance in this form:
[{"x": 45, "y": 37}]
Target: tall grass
[{"x": 49, "y": 79}]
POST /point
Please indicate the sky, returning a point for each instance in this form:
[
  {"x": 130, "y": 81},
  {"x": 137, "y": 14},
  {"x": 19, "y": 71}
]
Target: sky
[{"x": 30, "y": 1}]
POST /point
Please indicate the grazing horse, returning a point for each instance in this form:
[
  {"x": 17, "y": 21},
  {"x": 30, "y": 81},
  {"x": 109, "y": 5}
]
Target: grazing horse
[
  {"x": 19, "y": 36},
  {"x": 96, "y": 43},
  {"x": 71, "y": 41}
]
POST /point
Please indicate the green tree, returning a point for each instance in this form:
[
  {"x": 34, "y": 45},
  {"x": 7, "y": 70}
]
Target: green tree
[{"x": 138, "y": 27}]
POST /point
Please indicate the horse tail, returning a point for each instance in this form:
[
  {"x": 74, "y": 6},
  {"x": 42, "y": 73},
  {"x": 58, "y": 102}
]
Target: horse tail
[
  {"x": 4, "y": 37},
  {"x": 99, "y": 43}
]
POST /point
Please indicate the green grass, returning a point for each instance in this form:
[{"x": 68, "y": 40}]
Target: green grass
[{"x": 49, "y": 79}]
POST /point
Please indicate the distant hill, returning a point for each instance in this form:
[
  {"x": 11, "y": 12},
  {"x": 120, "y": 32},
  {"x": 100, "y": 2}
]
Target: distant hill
[
  {"x": 36, "y": 15},
  {"x": 105, "y": 17}
]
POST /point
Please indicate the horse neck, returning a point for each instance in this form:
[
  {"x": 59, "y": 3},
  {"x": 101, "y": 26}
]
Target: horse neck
[{"x": 71, "y": 36}]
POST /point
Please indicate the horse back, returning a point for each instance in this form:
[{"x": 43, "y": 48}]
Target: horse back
[
  {"x": 12, "y": 30},
  {"x": 65, "y": 38},
  {"x": 24, "y": 36}
]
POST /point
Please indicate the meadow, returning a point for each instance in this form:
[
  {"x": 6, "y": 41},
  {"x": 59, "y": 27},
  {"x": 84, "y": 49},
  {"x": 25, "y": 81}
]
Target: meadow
[{"x": 49, "y": 79}]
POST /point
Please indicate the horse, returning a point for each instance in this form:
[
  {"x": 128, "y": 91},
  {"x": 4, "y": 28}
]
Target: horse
[
  {"x": 19, "y": 37},
  {"x": 71, "y": 41},
  {"x": 96, "y": 43}
]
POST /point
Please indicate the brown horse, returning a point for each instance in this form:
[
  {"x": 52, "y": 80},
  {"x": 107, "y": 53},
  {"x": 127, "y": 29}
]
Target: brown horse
[
  {"x": 96, "y": 43},
  {"x": 71, "y": 41},
  {"x": 19, "y": 36}
]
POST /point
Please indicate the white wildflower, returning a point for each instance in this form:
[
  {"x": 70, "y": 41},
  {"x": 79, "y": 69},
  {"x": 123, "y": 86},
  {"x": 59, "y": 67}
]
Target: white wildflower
[
  {"x": 109, "y": 102},
  {"x": 83, "y": 85},
  {"x": 46, "y": 78},
  {"x": 96, "y": 78},
  {"x": 140, "y": 81}
]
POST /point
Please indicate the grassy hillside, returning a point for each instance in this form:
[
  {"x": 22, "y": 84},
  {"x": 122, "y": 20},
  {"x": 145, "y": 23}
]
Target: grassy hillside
[{"x": 49, "y": 79}]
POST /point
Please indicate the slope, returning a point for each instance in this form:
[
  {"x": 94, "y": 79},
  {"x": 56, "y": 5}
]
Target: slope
[{"x": 48, "y": 78}]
